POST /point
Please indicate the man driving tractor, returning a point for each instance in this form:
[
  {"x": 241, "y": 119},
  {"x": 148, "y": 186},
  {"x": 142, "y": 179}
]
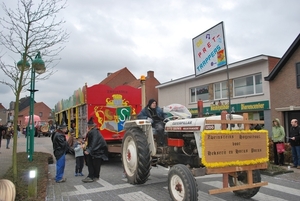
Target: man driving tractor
[{"x": 155, "y": 115}]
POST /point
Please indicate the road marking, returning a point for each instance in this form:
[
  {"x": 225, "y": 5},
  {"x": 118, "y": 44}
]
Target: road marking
[
  {"x": 206, "y": 196},
  {"x": 139, "y": 195},
  {"x": 209, "y": 176},
  {"x": 282, "y": 189},
  {"x": 259, "y": 196},
  {"x": 80, "y": 189}
]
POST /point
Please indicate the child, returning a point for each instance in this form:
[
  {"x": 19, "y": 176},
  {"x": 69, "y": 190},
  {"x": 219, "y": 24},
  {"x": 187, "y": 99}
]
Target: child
[
  {"x": 7, "y": 190},
  {"x": 78, "y": 149}
]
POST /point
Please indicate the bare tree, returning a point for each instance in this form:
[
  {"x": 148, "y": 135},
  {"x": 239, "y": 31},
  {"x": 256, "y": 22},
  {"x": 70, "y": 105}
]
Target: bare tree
[{"x": 30, "y": 28}]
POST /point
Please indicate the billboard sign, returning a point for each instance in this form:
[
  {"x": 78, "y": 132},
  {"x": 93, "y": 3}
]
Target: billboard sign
[{"x": 209, "y": 50}]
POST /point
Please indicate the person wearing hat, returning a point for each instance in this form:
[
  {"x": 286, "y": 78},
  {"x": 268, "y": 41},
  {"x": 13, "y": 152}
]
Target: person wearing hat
[
  {"x": 95, "y": 151},
  {"x": 155, "y": 115},
  {"x": 60, "y": 148}
]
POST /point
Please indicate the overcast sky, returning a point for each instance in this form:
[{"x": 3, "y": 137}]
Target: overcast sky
[{"x": 156, "y": 35}]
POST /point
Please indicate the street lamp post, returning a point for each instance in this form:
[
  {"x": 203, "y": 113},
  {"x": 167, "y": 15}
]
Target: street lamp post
[{"x": 38, "y": 66}]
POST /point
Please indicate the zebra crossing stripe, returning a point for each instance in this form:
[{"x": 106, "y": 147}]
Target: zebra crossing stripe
[
  {"x": 259, "y": 196},
  {"x": 283, "y": 189},
  {"x": 206, "y": 196},
  {"x": 136, "y": 196}
]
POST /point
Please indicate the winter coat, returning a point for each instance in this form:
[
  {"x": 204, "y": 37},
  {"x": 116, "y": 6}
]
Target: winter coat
[
  {"x": 278, "y": 133},
  {"x": 295, "y": 132},
  {"x": 78, "y": 149},
  {"x": 3, "y": 130},
  {"x": 9, "y": 133},
  {"x": 60, "y": 144},
  {"x": 96, "y": 145},
  {"x": 155, "y": 114}
]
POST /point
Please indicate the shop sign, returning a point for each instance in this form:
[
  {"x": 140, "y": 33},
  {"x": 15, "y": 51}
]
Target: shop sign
[{"x": 234, "y": 108}]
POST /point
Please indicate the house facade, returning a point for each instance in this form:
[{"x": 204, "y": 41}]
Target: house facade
[
  {"x": 40, "y": 109},
  {"x": 3, "y": 114},
  {"x": 243, "y": 80},
  {"x": 284, "y": 81}
]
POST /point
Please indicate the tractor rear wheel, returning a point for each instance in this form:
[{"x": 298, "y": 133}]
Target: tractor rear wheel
[
  {"x": 136, "y": 156},
  {"x": 182, "y": 184},
  {"x": 241, "y": 179}
]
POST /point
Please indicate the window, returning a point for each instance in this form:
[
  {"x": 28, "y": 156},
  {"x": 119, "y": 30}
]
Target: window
[
  {"x": 298, "y": 74},
  {"x": 248, "y": 85},
  {"x": 198, "y": 93},
  {"x": 220, "y": 90},
  {"x": 40, "y": 114}
]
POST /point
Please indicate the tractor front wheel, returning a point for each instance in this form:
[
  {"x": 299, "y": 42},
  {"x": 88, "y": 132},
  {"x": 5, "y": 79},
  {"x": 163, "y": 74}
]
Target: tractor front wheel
[
  {"x": 182, "y": 184},
  {"x": 136, "y": 156}
]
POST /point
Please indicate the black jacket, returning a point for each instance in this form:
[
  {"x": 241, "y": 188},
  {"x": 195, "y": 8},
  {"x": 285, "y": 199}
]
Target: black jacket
[
  {"x": 295, "y": 132},
  {"x": 3, "y": 130},
  {"x": 60, "y": 144},
  {"x": 96, "y": 145}
]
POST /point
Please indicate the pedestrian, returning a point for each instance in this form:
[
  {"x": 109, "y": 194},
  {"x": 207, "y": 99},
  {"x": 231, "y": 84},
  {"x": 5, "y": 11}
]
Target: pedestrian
[
  {"x": 294, "y": 140},
  {"x": 7, "y": 190},
  {"x": 84, "y": 146},
  {"x": 19, "y": 130},
  {"x": 71, "y": 141},
  {"x": 3, "y": 130},
  {"x": 8, "y": 134},
  {"x": 51, "y": 129},
  {"x": 73, "y": 128},
  {"x": 155, "y": 115},
  {"x": 278, "y": 136},
  {"x": 95, "y": 150},
  {"x": 60, "y": 148},
  {"x": 78, "y": 149},
  {"x": 24, "y": 130}
]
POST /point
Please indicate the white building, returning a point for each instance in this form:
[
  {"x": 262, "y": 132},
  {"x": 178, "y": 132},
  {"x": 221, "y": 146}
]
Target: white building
[{"x": 248, "y": 90}]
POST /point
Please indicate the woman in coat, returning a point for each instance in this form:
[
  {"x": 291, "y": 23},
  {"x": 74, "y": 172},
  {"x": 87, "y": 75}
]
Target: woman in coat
[{"x": 278, "y": 136}]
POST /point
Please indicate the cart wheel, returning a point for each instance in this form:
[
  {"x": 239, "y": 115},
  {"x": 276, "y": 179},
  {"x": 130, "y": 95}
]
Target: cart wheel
[
  {"x": 241, "y": 179},
  {"x": 182, "y": 184}
]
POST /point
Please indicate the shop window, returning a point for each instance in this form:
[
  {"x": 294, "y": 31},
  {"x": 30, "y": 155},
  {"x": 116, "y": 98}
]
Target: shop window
[
  {"x": 298, "y": 74},
  {"x": 220, "y": 90},
  {"x": 199, "y": 93},
  {"x": 249, "y": 85}
]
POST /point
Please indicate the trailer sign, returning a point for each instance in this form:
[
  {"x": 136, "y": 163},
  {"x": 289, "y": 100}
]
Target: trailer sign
[{"x": 227, "y": 148}]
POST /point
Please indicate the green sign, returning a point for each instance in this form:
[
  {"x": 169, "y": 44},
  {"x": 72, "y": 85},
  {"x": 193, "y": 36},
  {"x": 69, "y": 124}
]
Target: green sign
[{"x": 234, "y": 108}]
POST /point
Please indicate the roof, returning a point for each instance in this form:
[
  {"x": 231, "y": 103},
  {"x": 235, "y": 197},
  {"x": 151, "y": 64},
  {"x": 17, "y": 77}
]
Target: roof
[
  {"x": 135, "y": 83},
  {"x": 2, "y": 107},
  {"x": 37, "y": 106},
  {"x": 291, "y": 50},
  {"x": 120, "y": 77},
  {"x": 24, "y": 102}
]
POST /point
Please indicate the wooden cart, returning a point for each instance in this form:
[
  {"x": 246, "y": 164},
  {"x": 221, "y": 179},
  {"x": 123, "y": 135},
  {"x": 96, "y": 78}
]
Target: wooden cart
[{"x": 243, "y": 176}]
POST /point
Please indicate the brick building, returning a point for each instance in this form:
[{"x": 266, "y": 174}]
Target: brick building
[
  {"x": 3, "y": 115},
  {"x": 40, "y": 109},
  {"x": 125, "y": 77},
  {"x": 284, "y": 81}
]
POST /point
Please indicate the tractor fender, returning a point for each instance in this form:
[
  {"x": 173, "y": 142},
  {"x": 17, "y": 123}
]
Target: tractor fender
[{"x": 146, "y": 127}]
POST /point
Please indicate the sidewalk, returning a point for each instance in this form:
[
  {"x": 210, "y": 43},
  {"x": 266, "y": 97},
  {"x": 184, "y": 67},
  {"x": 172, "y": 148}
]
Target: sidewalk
[{"x": 42, "y": 144}]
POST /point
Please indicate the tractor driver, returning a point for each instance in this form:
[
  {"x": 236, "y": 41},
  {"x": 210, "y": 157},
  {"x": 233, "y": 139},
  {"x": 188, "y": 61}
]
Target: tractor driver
[{"x": 155, "y": 115}]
